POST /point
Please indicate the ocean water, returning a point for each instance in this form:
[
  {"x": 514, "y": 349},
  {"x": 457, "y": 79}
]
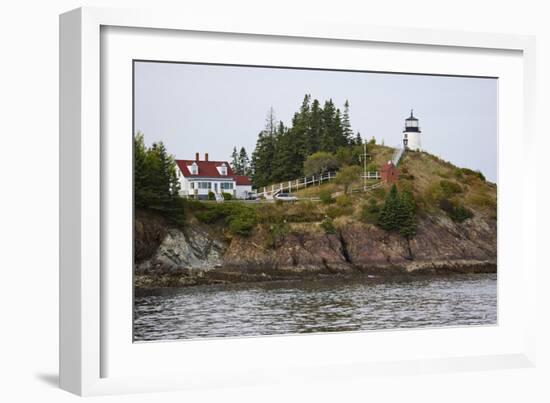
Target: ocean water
[{"x": 329, "y": 305}]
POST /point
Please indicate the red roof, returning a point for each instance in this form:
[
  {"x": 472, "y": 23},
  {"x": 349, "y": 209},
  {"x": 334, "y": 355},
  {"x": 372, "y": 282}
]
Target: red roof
[
  {"x": 206, "y": 169},
  {"x": 242, "y": 180}
]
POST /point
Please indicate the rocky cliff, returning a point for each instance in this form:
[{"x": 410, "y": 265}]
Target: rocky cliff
[{"x": 202, "y": 254}]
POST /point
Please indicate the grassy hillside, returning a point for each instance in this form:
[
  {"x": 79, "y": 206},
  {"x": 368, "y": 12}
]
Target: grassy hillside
[{"x": 439, "y": 188}]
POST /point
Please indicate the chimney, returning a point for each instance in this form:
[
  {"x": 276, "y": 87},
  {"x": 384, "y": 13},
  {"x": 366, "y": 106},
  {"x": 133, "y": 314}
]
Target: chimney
[
  {"x": 197, "y": 157},
  {"x": 206, "y": 156}
]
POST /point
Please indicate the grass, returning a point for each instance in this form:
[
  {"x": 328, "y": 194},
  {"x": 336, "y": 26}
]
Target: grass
[{"x": 430, "y": 179}]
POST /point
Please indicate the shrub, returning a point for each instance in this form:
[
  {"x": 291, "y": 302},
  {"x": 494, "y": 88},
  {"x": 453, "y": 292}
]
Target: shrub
[
  {"x": 433, "y": 193},
  {"x": 239, "y": 218},
  {"x": 483, "y": 200},
  {"x": 211, "y": 195},
  {"x": 457, "y": 212},
  {"x": 227, "y": 196},
  {"x": 370, "y": 212},
  {"x": 275, "y": 233},
  {"x": 209, "y": 215},
  {"x": 303, "y": 212},
  {"x": 326, "y": 196},
  {"x": 242, "y": 222},
  {"x": 320, "y": 162},
  {"x": 328, "y": 226},
  {"x": 461, "y": 172},
  {"x": 343, "y": 201},
  {"x": 337, "y": 211},
  {"x": 347, "y": 175},
  {"x": 372, "y": 167},
  {"x": 449, "y": 188}
]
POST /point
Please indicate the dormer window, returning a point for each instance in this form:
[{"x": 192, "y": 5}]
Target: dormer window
[
  {"x": 194, "y": 169},
  {"x": 222, "y": 169}
]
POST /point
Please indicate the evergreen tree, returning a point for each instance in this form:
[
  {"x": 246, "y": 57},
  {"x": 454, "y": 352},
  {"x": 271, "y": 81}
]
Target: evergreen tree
[
  {"x": 287, "y": 163},
  {"x": 156, "y": 184},
  {"x": 281, "y": 151},
  {"x": 388, "y": 219},
  {"x": 264, "y": 153},
  {"x": 300, "y": 127},
  {"x": 328, "y": 116},
  {"x": 358, "y": 139},
  {"x": 313, "y": 136},
  {"x": 235, "y": 161},
  {"x": 398, "y": 215},
  {"x": 407, "y": 215},
  {"x": 346, "y": 125},
  {"x": 244, "y": 162}
]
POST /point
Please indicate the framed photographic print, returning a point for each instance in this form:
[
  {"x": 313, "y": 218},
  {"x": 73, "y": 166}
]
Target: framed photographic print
[{"x": 256, "y": 194}]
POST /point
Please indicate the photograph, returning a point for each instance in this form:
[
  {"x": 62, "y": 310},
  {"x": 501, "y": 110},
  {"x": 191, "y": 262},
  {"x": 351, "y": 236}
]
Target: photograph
[{"x": 273, "y": 200}]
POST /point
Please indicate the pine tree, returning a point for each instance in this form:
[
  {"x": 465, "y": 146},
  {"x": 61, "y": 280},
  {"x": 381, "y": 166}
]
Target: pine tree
[
  {"x": 346, "y": 125},
  {"x": 235, "y": 161},
  {"x": 264, "y": 153},
  {"x": 407, "y": 215},
  {"x": 156, "y": 184},
  {"x": 313, "y": 136},
  {"x": 301, "y": 126},
  {"x": 328, "y": 116},
  {"x": 408, "y": 221},
  {"x": 244, "y": 162},
  {"x": 358, "y": 139},
  {"x": 287, "y": 162},
  {"x": 388, "y": 219}
]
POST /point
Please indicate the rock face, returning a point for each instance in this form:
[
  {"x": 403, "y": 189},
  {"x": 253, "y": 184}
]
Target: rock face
[
  {"x": 200, "y": 255},
  {"x": 192, "y": 248}
]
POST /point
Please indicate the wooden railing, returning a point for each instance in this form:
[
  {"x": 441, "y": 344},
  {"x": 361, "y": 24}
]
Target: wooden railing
[{"x": 268, "y": 192}]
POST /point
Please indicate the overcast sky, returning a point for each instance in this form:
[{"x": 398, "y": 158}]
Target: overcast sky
[{"x": 202, "y": 108}]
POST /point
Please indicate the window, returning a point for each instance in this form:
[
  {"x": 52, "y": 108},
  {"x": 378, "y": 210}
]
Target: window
[
  {"x": 205, "y": 185},
  {"x": 194, "y": 169},
  {"x": 192, "y": 185},
  {"x": 226, "y": 185}
]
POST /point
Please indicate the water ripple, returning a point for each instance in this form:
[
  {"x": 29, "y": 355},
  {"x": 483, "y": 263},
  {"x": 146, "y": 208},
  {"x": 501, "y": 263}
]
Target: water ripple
[{"x": 315, "y": 306}]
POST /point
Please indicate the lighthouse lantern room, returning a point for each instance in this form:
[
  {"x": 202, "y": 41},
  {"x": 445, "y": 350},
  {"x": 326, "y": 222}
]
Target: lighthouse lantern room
[{"x": 411, "y": 134}]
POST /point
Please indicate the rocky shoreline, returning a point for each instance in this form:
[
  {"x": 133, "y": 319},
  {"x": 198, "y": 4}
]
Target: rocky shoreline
[
  {"x": 193, "y": 277},
  {"x": 199, "y": 254}
]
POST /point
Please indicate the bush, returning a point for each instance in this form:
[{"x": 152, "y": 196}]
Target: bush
[
  {"x": 372, "y": 167},
  {"x": 343, "y": 201},
  {"x": 461, "y": 172},
  {"x": 449, "y": 188},
  {"x": 326, "y": 196},
  {"x": 379, "y": 193},
  {"x": 211, "y": 195},
  {"x": 303, "y": 212},
  {"x": 242, "y": 222},
  {"x": 239, "y": 218},
  {"x": 457, "y": 213},
  {"x": 275, "y": 233},
  {"x": 370, "y": 212},
  {"x": 482, "y": 200},
  {"x": 227, "y": 196},
  {"x": 328, "y": 226},
  {"x": 337, "y": 211}
]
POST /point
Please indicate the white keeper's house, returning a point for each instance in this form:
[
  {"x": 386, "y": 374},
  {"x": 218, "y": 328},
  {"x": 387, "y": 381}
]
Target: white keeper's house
[{"x": 197, "y": 178}]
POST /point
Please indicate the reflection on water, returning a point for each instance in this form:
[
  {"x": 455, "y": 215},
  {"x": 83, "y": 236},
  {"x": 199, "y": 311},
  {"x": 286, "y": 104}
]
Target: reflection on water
[{"x": 315, "y": 306}]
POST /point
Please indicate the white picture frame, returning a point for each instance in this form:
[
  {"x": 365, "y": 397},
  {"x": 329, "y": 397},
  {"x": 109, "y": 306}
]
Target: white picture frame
[{"x": 85, "y": 343}]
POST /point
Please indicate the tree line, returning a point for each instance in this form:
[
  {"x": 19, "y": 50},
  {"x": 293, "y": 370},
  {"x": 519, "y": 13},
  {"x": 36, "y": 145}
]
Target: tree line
[
  {"x": 281, "y": 151},
  {"x": 156, "y": 184}
]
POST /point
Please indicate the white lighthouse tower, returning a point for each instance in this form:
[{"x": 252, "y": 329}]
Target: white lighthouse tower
[{"x": 411, "y": 134}]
